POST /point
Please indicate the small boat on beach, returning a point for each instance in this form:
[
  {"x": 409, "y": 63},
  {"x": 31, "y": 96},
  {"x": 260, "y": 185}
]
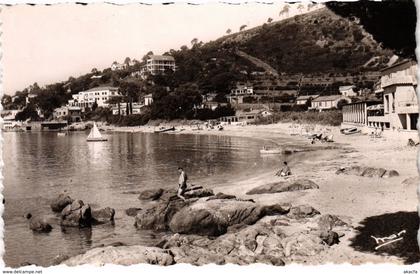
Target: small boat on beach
[
  {"x": 95, "y": 135},
  {"x": 350, "y": 131},
  {"x": 271, "y": 150},
  {"x": 165, "y": 130}
]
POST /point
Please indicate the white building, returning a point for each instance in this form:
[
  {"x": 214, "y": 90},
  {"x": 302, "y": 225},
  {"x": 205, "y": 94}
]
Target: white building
[
  {"x": 327, "y": 102},
  {"x": 148, "y": 99},
  {"x": 157, "y": 64},
  {"x": 60, "y": 113},
  {"x": 117, "y": 66},
  {"x": 72, "y": 112},
  {"x": 100, "y": 95},
  {"x": 347, "y": 91},
  {"x": 242, "y": 89},
  {"x": 400, "y": 105},
  {"x": 303, "y": 99}
]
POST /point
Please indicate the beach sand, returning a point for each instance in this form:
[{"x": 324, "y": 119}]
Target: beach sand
[{"x": 360, "y": 201}]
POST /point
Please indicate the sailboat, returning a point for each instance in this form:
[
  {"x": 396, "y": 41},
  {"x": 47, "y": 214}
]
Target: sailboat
[{"x": 95, "y": 135}]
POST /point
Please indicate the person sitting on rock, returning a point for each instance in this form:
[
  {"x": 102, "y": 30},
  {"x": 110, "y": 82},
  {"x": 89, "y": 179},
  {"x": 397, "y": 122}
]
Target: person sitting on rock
[
  {"x": 182, "y": 183},
  {"x": 285, "y": 171}
]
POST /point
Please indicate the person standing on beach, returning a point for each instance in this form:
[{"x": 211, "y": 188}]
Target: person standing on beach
[{"x": 182, "y": 183}]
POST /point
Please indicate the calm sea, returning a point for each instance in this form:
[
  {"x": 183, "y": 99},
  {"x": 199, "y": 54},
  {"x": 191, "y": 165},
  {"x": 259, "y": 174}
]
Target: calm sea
[{"x": 40, "y": 165}]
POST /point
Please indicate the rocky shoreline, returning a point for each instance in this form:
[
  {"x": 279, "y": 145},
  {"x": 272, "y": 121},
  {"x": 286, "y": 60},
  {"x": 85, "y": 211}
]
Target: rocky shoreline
[{"x": 220, "y": 229}]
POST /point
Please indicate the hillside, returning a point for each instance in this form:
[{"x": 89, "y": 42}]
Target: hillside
[
  {"x": 316, "y": 42},
  {"x": 311, "y": 53}
]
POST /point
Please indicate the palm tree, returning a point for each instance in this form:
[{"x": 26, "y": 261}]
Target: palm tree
[
  {"x": 269, "y": 20},
  {"x": 228, "y": 31},
  {"x": 242, "y": 27}
]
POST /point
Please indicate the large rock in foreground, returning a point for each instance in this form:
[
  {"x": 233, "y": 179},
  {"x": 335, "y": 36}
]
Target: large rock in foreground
[
  {"x": 203, "y": 216},
  {"x": 293, "y": 185},
  {"x": 59, "y": 203},
  {"x": 76, "y": 214},
  {"x": 214, "y": 217},
  {"x": 275, "y": 240},
  {"x": 122, "y": 255},
  {"x": 157, "y": 217}
]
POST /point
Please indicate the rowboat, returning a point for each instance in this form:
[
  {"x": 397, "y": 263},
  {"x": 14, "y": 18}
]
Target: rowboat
[
  {"x": 350, "y": 131},
  {"x": 165, "y": 130},
  {"x": 271, "y": 151}
]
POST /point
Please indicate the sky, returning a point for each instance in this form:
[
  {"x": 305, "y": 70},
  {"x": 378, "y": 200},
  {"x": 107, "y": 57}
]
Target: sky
[{"x": 48, "y": 44}]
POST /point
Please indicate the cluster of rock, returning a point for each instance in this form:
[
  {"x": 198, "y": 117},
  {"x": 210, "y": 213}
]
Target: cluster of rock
[
  {"x": 368, "y": 172},
  {"x": 72, "y": 213},
  {"x": 203, "y": 213},
  {"x": 284, "y": 186},
  {"x": 222, "y": 229}
]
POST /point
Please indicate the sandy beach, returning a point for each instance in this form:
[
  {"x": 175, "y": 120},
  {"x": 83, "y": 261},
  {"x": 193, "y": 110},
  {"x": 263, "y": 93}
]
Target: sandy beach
[{"x": 354, "y": 199}]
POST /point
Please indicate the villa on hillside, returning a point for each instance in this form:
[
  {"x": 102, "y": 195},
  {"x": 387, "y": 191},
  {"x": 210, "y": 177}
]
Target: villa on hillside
[
  {"x": 238, "y": 93},
  {"x": 74, "y": 113},
  {"x": 100, "y": 95},
  {"x": 303, "y": 99},
  {"x": 347, "y": 91},
  {"x": 158, "y": 64},
  {"x": 398, "y": 108},
  {"x": 327, "y": 102},
  {"x": 117, "y": 66}
]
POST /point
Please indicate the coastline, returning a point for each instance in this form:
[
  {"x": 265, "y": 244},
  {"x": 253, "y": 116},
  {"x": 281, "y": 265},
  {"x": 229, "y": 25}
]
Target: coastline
[{"x": 337, "y": 194}]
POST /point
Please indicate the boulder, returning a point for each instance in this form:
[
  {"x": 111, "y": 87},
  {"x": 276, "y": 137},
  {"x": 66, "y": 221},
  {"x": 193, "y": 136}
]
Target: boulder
[
  {"x": 367, "y": 172},
  {"x": 59, "y": 259},
  {"x": 157, "y": 217},
  {"x": 329, "y": 237},
  {"x": 151, "y": 194},
  {"x": 373, "y": 172},
  {"x": 328, "y": 222},
  {"x": 353, "y": 170},
  {"x": 123, "y": 255},
  {"x": 198, "y": 193},
  {"x": 283, "y": 186},
  {"x": 39, "y": 224},
  {"x": 267, "y": 241},
  {"x": 302, "y": 211},
  {"x": 214, "y": 217},
  {"x": 221, "y": 196},
  {"x": 104, "y": 215},
  {"x": 390, "y": 173},
  {"x": 76, "y": 214},
  {"x": 59, "y": 203},
  {"x": 253, "y": 244},
  {"x": 132, "y": 211}
]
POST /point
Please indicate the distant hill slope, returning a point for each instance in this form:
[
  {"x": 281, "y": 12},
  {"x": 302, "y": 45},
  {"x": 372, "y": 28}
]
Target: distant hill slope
[{"x": 320, "y": 41}]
